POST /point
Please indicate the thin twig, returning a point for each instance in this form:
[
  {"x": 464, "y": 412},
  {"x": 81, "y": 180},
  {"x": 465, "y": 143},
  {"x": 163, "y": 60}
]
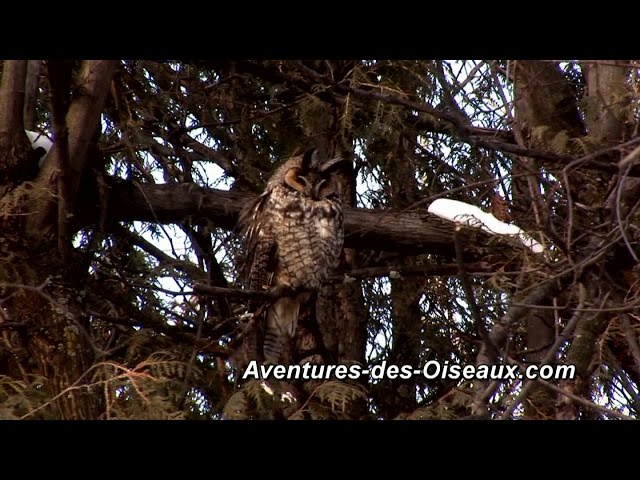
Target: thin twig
[
  {"x": 582, "y": 401},
  {"x": 471, "y": 301},
  {"x": 617, "y": 209},
  {"x": 271, "y": 294},
  {"x": 551, "y": 354},
  {"x": 632, "y": 340}
]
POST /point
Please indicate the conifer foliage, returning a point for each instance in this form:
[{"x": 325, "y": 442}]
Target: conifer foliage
[{"x": 120, "y": 262}]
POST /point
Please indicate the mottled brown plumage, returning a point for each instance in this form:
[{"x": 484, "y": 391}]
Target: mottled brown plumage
[{"x": 294, "y": 236}]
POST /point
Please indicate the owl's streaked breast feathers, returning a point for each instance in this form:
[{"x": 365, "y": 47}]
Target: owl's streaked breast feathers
[{"x": 294, "y": 236}]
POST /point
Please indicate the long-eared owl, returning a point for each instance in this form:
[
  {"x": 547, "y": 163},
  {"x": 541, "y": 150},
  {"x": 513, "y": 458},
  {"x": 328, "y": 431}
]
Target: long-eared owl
[{"x": 293, "y": 236}]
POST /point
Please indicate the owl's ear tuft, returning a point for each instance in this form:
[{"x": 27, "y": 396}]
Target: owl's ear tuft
[
  {"x": 333, "y": 165},
  {"x": 307, "y": 159}
]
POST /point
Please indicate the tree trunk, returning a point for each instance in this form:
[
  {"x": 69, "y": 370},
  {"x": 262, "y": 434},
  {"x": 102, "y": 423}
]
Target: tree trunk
[{"x": 44, "y": 291}]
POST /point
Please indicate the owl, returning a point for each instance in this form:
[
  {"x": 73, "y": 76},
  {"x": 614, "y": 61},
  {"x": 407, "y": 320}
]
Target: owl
[{"x": 293, "y": 236}]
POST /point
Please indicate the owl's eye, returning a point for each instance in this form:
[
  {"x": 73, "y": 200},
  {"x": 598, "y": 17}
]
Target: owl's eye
[{"x": 325, "y": 189}]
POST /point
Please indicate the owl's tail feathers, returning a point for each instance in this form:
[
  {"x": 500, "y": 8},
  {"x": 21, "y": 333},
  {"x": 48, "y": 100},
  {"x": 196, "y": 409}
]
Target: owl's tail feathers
[{"x": 281, "y": 321}]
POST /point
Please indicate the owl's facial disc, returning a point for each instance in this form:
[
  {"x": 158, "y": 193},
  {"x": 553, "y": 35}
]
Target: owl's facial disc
[
  {"x": 297, "y": 181},
  {"x": 311, "y": 185}
]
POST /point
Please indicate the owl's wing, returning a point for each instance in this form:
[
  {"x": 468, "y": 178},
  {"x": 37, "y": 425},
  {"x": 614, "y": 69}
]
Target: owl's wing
[
  {"x": 257, "y": 271},
  {"x": 260, "y": 245}
]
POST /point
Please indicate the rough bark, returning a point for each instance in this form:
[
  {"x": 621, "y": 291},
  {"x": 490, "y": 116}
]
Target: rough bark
[
  {"x": 13, "y": 141},
  {"x": 608, "y": 116},
  {"x": 12, "y": 99},
  {"x": 72, "y": 162},
  {"x": 411, "y": 232},
  {"x": 34, "y": 71},
  {"x": 43, "y": 291}
]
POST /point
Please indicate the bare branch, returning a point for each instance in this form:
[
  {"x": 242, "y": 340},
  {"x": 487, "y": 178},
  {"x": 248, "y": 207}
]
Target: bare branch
[{"x": 551, "y": 354}]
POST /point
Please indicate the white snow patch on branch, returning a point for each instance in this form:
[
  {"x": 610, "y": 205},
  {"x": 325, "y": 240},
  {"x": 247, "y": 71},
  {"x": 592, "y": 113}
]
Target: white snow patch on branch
[
  {"x": 471, "y": 216},
  {"x": 39, "y": 140}
]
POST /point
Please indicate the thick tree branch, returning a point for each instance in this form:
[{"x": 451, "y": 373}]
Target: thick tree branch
[
  {"x": 59, "y": 73},
  {"x": 34, "y": 69},
  {"x": 82, "y": 120},
  {"x": 378, "y": 230},
  {"x": 544, "y": 97},
  {"x": 12, "y": 98},
  {"x": 84, "y": 113},
  {"x": 608, "y": 96},
  {"x": 13, "y": 144}
]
